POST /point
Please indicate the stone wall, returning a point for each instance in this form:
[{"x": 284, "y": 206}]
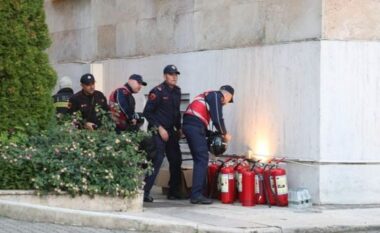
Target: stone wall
[
  {"x": 305, "y": 71},
  {"x": 87, "y": 30},
  {"x": 351, "y": 20}
]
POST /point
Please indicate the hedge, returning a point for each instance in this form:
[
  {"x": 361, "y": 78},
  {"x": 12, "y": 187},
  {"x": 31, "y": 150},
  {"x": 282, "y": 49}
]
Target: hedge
[{"x": 26, "y": 77}]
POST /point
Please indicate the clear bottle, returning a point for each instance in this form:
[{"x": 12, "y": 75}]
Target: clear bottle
[{"x": 299, "y": 198}]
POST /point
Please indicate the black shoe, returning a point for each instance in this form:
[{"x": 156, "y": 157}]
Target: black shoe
[
  {"x": 175, "y": 196},
  {"x": 148, "y": 199},
  {"x": 201, "y": 200}
]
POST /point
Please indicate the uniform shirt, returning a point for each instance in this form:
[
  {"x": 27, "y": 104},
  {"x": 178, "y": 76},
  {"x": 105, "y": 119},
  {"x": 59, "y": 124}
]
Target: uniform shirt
[
  {"x": 163, "y": 107},
  {"x": 214, "y": 102},
  {"x": 126, "y": 102},
  {"x": 86, "y": 105},
  {"x": 61, "y": 100}
]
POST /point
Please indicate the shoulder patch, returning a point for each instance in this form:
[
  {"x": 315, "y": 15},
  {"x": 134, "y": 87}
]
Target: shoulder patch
[
  {"x": 152, "y": 96},
  {"x": 125, "y": 91}
]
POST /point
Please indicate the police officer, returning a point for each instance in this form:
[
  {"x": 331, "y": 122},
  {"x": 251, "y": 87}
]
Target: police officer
[
  {"x": 86, "y": 100},
  {"x": 205, "y": 107},
  {"x": 162, "y": 111},
  {"x": 124, "y": 113},
  {"x": 61, "y": 99}
]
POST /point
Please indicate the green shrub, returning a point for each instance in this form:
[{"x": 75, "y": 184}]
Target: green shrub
[
  {"x": 16, "y": 169},
  {"x": 26, "y": 77},
  {"x": 66, "y": 159}
]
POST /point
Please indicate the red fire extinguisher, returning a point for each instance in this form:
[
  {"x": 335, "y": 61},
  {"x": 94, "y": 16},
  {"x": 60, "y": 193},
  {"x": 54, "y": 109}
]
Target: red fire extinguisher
[
  {"x": 259, "y": 184},
  {"x": 227, "y": 184},
  {"x": 240, "y": 168},
  {"x": 247, "y": 196},
  {"x": 276, "y": 186},
  {"x": 212, "y": 179}
]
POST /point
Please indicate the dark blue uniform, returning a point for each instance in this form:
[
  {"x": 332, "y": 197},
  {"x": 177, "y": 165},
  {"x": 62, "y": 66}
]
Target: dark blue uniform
[
  {"x": 123, "y": 98},
  {"x": 86, "y": 104},
  {"x": 163, "y": 109},
  {"x": 61, "y": 100},
  {"x": 126, "y": 103},
  {"x": 195, "y": 131}
]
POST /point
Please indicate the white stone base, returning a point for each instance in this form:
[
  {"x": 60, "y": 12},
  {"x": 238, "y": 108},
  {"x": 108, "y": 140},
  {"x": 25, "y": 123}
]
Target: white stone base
[
  {"x": 84, "y": 202},
  {"x": 337, "y": 183},
  {"x": 350, "y": 184}
]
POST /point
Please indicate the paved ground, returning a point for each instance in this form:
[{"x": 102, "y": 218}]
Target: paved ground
[
  {"x": 12, "y": 226},
  {"x": 328, "y": 218},
  {"x": 182, "y": 217}
]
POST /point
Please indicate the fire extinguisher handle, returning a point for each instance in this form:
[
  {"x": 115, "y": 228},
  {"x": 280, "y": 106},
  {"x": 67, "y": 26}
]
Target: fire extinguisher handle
[{"x": 253, "y": 165}]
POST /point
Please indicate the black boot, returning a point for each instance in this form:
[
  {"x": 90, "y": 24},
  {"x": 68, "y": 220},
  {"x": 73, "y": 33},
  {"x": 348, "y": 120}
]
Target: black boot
[
  {"x": 175, "y": 195},
  {"x": 148, "y": 199},
  {"x": 201, "y": 200}
]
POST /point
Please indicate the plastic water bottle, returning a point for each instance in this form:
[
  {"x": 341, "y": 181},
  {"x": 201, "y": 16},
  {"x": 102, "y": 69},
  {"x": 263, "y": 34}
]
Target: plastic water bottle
[
  {"x": 299, "y": 198},
  {"x": 307, "y": 198}
]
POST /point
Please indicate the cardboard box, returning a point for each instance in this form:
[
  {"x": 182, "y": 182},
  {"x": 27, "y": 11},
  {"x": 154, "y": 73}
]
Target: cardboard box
[{"x": 163, "y": 177}]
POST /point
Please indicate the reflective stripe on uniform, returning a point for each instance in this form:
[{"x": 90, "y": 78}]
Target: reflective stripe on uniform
[
  {"x": 61, "y": 104},
  {"x": 199, "y": 108}
]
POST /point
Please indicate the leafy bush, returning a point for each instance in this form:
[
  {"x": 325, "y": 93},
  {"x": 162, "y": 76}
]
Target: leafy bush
[
  {"x": 60, "y": 157},
  {"x": 66, "y": 159},
  {"x": 15, "y": 171},
  {"x": 26, "y": 77}
]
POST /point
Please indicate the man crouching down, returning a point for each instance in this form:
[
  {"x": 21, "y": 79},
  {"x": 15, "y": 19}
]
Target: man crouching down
[{"x": 205, "y": 107}]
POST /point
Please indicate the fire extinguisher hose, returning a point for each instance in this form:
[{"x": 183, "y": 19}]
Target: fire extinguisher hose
[
  {"x": 265, "y": 189},
  {"x": 215, "y": 180},
  {"x": 275, "y": 195}
]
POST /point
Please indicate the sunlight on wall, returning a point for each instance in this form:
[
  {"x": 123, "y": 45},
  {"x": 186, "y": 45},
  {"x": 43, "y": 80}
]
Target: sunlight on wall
[{"x": 260, "y": 149}]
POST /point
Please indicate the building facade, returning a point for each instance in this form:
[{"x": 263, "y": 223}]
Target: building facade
[{"x": 306, "y": 74}]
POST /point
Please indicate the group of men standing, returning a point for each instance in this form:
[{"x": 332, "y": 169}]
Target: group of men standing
[{"x": 162, "y": 111}]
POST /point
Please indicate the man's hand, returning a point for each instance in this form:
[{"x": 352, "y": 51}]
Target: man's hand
[
  {"x": 90, "y": 126},
  {"x": 163, "y": 133},
  {"x": 227, "y": 137},
  {"x": 133, "y": 121}
]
